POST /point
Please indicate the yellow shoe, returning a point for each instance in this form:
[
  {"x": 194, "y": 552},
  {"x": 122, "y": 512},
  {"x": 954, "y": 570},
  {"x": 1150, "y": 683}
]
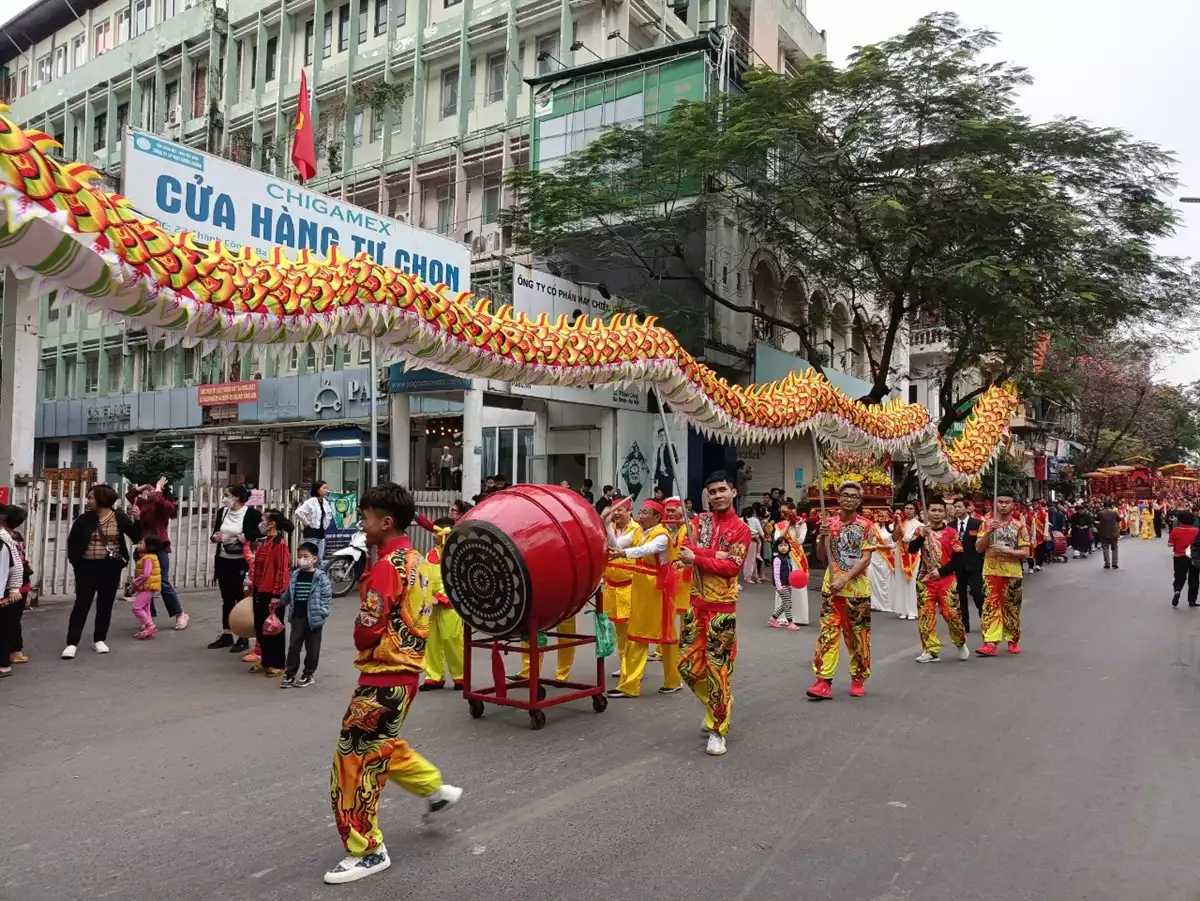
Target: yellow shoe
[
  {"x": 18, "y": 657},
  {"x": 272, "y": 672},
  {"x": 257, "y": 668}
]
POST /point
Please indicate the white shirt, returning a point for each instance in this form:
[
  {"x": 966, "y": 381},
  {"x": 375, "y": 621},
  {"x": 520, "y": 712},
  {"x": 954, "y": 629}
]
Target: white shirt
[
  {"x": 310, "y": 513},
  {"x": 756, "y": 529},
  {"x": 656, "y": 545}
]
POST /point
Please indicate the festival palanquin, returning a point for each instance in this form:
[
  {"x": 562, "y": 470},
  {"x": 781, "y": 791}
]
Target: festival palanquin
[
  {"x": 1140, "y": 481},
  {"x": 60, "y": 227}
]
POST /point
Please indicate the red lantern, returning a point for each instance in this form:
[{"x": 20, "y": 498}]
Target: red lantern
[{"x": 798, "y": 579}]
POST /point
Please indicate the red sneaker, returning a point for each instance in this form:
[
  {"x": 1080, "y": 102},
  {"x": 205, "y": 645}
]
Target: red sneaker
[
  {"x": 987, "y": 649},
  {"x": 822, "y": 690},
  {"x": 858, "y": 688},
  {"x": 1014, "y": 648}
]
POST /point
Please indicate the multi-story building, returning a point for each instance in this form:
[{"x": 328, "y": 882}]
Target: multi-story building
[{"x": 419, "y": 108}]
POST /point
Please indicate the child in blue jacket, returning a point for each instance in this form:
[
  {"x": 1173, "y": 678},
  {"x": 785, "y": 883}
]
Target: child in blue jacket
[{"x": 308, "y": 595}]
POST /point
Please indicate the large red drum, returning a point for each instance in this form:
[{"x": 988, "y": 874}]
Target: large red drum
[{"x": 524, "y": 559}]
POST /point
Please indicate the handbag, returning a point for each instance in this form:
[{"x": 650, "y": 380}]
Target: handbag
[{"x": 272, "y": 625}]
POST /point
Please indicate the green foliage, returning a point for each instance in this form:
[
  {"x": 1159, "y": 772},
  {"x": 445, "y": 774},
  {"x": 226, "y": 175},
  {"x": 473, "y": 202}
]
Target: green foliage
[
  {"x": 379, "y": 96},
  {"x": 147, "y": 463},
  {"x": 906, "y": 182}
]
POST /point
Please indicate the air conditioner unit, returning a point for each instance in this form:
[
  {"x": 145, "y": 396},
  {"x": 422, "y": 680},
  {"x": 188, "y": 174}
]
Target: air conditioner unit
[
  {"x": 175, "y": 116},
  {"x": 479, "y": 244},
  {"x": 493, "y": 241}
]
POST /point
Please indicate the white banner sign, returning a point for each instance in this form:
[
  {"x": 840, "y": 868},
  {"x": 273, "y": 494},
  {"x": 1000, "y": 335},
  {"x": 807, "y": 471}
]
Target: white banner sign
[
  {"x": 187, "y": 190},
  {"x": 535, "y": 293}
]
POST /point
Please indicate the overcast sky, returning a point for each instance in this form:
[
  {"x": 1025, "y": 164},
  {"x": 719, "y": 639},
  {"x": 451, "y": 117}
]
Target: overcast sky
[{"x": 1131, "y": 65}]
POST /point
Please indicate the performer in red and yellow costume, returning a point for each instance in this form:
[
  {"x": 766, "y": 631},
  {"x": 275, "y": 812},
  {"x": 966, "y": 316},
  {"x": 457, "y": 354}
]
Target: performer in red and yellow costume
[
  {"x": 1004, "y": 543},
  {"x": 651, "y": 555},
  {"x": 708, "y": 643},
  {"x": 844, "y": 542},
  {"x": 618, "y": 580},
  {"x": 675, "y": 519},
  {"x": 794, "y": 528},
  {"x": 937, "y": 588},
  {"x": 390, "y": 634},
  {"x": 444, "y": 649}
]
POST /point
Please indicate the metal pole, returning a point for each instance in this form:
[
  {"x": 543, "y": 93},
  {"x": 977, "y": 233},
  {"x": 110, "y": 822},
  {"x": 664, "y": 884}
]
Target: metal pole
[
  {"x": 373, "y": 477},
  {"x": 820, "y": 488},
  {"x": 662, "y": 415},
  {"x": 920, "y": 479}
]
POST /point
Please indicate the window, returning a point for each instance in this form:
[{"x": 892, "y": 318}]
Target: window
[
  {"x": 122, "y": 27},
  {"x": 376, "y": 127},
  {"x": 381, "y": 16},
  {"x": 23, "y": 83},
  {"x": 343, "y": 27},
  {"x": 272, "y": 57},
  {"x": 547, "y": 54},
  {"x": 79, "y": 51},
  {"x": 357, "y": 127},
  {"x": 172, "y": 95},
  {"x": 172, "y": 8},
  {"x": 60, "y": 61},
  {"x": 116, "y": 372},
  {"x": 49, "y": 392},
  {"x": 142, "y": 19},
  {"x": 91, "y": 372},
  {"x": 397, "y": 119},
  {"x": 79, "y": 454},
  {"x": 327, "y": 47},
  {"x": 495, "y": 77},
  {"x": 99, "y": 132},
  {"x": 102, "y": 37},
  {"x": 68, "y": 375},
  {"x": 401, "y": 12},
  {"x": 308, "y": 42},
  {"x": 199, "y": 90},
  {"x": 449, "y": 3},
  {"x": 122, "y": 117},
  {"x": 114, "y": 454},
  {"x": 331, "y": 356},
  {"x": 253, "y": 66},
  {"x": 471, "y": 86},
  {"x": 491, "y": 201},
  {"x": 912, "y": 394},
  {"x": 364, "y": 12},
  {"x": 449, "y": 92},
  {"x": 52, "y": 309},
  {"x": 445, "y": 209},
  {"x": 45, "y": 70}
]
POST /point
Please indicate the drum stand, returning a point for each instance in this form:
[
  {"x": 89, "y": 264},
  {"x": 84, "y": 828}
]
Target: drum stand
[{"x": 530, "y": 694}]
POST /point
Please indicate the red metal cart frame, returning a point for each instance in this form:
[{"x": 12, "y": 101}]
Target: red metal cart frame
[{"x": 531, "y": 694}]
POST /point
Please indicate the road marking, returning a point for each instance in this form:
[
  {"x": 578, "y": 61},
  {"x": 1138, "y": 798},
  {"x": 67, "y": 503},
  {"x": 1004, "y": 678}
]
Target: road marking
[
  {"x": 565, "y": 798},
  {"x": 261, "y": 873}
]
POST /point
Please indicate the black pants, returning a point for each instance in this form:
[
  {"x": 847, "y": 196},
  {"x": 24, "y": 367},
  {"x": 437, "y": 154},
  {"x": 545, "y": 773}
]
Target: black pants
[
  {"x": 231, "y": 576},
  {"x": 310, "y": 640},
  {"x": 95, "y": 580},
  {"x": 1185, "y": 572},
  {"x": 10, "y": 630},
  {"x": 271, "y": 647},
  {"x": 1158, "y": 530},
  {"x": 970, "y": 582}
]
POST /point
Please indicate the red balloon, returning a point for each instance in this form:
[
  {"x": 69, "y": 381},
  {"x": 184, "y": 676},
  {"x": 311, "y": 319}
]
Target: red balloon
[{"x": 798, "y": 579}]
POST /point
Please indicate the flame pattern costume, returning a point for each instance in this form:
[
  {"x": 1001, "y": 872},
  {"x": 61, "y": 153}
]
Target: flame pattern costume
[
  {"x": 847, "y": 614},
  {"x": 939, "y": 594},
  {"x": 1002, "y": 584}
]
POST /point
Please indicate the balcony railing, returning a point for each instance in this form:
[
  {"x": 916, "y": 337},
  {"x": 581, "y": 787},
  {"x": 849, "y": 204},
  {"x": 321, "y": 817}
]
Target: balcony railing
[{"x": 927, "y": 337}]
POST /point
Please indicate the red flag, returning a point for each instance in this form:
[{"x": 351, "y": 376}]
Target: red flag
[{"x": 304, "y": 153}]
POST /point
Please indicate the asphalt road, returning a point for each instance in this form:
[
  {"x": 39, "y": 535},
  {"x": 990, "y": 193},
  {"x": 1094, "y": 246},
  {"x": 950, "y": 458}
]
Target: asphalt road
[{"x": 164, "y": 771}]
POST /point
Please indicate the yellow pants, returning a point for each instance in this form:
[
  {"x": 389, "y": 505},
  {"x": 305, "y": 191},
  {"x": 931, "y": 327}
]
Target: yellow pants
[
  {"x": 622, "y": 644},
  {"x": 634, "y": 667},
  {"x": 444, "y": 646},
  {"x": 368, "y": 755},
  {"x": 566, "y": 657}
]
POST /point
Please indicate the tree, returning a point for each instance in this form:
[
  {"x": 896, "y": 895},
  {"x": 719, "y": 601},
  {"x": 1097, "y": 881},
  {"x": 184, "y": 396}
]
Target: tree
[
  {"x": 147, "y": 463},
  {"x": 905, "y": 182}
]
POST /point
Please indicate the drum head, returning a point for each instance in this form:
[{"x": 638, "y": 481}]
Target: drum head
[{"x": 486, "y": 578}]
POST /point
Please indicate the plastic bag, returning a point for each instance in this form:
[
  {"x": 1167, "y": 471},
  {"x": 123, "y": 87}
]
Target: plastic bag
[
  {"x": 606, "y": 636},
  {"x": 272, "y": 624}
]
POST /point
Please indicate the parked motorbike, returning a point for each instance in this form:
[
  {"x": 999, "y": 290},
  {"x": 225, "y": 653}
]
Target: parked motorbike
[{"x": 347, "y": 565}]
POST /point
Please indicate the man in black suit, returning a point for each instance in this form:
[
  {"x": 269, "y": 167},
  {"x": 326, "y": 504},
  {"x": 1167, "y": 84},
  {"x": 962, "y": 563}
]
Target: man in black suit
[{"x": 970, "y": 571}]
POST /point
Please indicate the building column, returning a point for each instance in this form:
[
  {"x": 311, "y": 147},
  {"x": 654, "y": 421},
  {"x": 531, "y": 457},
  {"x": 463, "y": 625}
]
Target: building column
[
  {"x": 266, "y": 463},
  {"x": 608, "y": 449},
  {"x": 400, "y": 430},
  {"x": 205, "y": 465},
  {"x": 472, "y": 482},
  {"x": 19, "y": 349},
  {"x": 539, "y": 467}
]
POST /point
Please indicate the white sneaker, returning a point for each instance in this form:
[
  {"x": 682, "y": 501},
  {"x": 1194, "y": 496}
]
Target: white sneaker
[
  {"x": 443, "y": 799},
  {"x": 352, "y": 868},
  {"x": 927, "y": 657},
  {"x": 616, "y": 674},
  {"x": 716, "y": 745},
  {"x": 101, "y": 647},
  {"x": 69, "y": 652},
  {"x": 964, "y": 652}
]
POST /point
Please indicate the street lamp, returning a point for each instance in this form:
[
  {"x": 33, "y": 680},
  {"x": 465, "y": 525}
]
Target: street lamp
[
  {"x": 1189, "y": 199},
  {"x": 616, "y": 35},
  {"x": 580, "y": 45},
  {"x": 546, "y": 54}
]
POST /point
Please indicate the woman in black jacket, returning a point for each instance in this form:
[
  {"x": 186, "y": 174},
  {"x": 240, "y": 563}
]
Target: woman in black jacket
[
  {"x": 235, "y": 528},
  {"x": 98, "y": 553}
]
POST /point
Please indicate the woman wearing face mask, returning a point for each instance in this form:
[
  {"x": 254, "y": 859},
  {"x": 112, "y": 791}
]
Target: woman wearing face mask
[
  {"x": 233, "y": 522},
  {"x": 268, "y": 580},
  {"x": 315, "y": 516}
]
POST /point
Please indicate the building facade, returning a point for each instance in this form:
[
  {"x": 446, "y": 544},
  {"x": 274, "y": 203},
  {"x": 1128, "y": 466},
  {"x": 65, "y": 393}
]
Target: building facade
[{"x": 419, "y": 108}]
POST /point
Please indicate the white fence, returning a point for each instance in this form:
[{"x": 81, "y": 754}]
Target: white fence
[{"x": 52, "y": 507}]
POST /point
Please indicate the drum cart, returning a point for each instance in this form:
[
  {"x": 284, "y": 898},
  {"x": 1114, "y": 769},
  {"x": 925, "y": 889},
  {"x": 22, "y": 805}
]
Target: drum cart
[{"x": 530, "y": 694}]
